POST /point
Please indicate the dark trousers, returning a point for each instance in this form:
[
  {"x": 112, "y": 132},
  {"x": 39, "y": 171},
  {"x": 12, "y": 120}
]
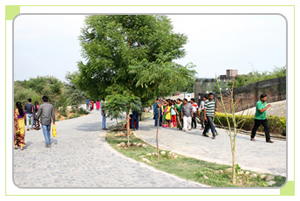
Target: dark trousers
[
  {"x": 135, "y": 118},
  {"x": 265, "y": 125},
  {"x": 156, "y": 121},
  {"x": 202, "y": 118},
  {"x": 160, "y": 119},
  {"x": 209, "y": 124},
  {"x": 194, "y": 123}
]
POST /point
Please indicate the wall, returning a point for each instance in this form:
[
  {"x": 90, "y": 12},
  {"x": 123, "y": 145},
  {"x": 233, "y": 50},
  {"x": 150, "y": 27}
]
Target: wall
[{"x": 248, "y": 95}]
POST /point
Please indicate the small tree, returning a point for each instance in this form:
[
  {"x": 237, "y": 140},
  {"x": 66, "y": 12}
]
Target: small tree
[
  {"x": 232, "y": 130},
  {"x": 115, "y": 106}
]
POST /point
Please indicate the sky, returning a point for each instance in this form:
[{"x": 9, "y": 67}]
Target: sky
[{"x": 48, "y": 45}]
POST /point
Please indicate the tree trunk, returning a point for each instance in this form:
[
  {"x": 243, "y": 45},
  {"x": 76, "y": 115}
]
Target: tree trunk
[
  {"x": 233, "y": 167},
  {"x": 128, "y": 126},
  {"x": 157, "y": 134}
]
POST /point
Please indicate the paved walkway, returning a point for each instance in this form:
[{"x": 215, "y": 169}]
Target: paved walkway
[
  {"x": 80, "y": 157},
  {"x": 256, "y": 156}
]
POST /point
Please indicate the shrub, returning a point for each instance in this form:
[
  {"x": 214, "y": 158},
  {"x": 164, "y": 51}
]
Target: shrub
[
  {"x": 276, "y": 124},
  {"x": 62, "y": 111},
  {"x": 73, "y": 110},
  {"x": 74, "y": 116},
  {"x": 82, "y": 111}
]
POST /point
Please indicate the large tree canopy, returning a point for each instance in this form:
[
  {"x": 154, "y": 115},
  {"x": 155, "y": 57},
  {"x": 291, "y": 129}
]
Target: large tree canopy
[{"x": 120, "y": 49}]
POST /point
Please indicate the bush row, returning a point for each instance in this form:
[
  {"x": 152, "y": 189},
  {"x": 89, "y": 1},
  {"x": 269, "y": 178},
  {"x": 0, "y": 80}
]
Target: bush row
[{"x": 276, "y": 124}]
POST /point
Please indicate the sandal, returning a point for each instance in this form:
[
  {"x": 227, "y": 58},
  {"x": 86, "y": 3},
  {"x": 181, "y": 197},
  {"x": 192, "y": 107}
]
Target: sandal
[{"x": 16, "y": 147}]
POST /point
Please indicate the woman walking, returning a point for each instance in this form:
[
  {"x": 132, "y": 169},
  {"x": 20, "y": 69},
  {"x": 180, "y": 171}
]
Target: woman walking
[{"x": 19, "y": 124}]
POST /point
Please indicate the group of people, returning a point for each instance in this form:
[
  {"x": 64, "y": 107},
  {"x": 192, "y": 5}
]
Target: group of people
[
  {"x": 183, "y": 115},
  {"x": 91, "y": 104},
  {"x": 35, "y": 115}
]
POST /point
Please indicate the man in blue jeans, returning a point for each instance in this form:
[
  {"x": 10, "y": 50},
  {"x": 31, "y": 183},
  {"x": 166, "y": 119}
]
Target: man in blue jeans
[
  {"x": 46, "y": 111},
  {"x": 103, "y": 114},
  {"x": 29, "y": 113}
]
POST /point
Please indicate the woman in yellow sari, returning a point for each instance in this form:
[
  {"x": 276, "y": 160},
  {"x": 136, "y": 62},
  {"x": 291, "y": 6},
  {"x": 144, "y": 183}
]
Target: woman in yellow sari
[{"x": 19, "y": 122}]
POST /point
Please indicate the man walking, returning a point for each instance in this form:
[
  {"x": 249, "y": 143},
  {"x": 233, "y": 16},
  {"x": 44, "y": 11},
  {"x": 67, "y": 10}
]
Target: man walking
[
  {"x": 186, "y": 115},
  {"x": 209, "y": 112},
  {"x": 103, "y": 114},
  {"x": 29, "y": 113},
  {"x": 201, "y": 109},
  {"x": 46, "y": 111},
  {"x": 195, "y": 111},
  {"x": 261, "y": 118}
]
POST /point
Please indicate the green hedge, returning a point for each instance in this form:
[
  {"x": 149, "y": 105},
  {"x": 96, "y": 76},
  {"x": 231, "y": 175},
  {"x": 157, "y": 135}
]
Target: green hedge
[{"x": 276, "y": 124}]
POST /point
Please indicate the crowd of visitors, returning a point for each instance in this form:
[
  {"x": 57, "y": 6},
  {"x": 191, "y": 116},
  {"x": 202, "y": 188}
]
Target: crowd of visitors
[
  {"x": 184, "y": 114},
  {"x": 180, "y": 114}
]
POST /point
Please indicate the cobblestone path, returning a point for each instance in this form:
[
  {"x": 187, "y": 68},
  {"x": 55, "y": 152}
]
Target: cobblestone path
[
  {"x": 80, "y": 157},
  {"x": 256, "y": 156}
]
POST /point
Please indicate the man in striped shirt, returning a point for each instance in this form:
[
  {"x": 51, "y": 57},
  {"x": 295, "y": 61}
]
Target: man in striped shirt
[{"x": 209, "y": 113}]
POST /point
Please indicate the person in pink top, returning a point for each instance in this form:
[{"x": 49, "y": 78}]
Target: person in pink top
[{"x": 98, "y": 105}]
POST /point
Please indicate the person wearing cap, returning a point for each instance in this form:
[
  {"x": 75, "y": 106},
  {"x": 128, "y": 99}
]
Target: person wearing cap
[{"x": 261, "y": 118}]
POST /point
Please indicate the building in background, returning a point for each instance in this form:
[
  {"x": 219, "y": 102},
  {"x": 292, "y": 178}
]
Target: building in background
[{"x": 230, "y": 74}]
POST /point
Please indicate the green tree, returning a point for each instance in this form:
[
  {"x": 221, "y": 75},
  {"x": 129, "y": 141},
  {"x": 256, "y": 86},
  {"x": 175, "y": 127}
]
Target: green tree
[
  {"x": 111, "y": 44},
  {"x": 115, "y": 106},
  {"x": 117, "y": 48},
  {"x": 36, "y": 88},
  {"x": 74, "y": 95},
  {"x": 255, "y": 76}
]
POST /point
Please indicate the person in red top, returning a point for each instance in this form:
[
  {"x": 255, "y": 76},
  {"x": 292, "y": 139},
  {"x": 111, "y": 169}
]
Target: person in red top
[
  {"x": 195, "y": 112},
  {"x": 98, "y": 105}
]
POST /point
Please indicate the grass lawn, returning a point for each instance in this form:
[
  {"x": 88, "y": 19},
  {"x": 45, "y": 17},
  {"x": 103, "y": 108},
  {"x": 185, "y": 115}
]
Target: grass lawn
[{"x": 211, "y": 174}]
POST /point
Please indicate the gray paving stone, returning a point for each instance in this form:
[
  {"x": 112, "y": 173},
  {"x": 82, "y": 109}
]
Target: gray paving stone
[
  {"x": 256, "y": 156},
  {"x": 80, "y": 157}
]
